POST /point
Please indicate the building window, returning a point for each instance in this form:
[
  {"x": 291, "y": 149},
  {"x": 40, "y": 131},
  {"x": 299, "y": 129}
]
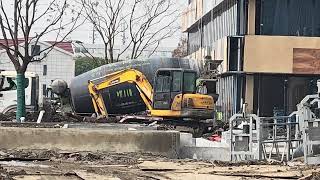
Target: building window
[
  {"x": 45, "y": 69},
  {"x": 289, "y": 18},
  {"x": 44, "y": 90},
  {"x": 35, "y": 50}
]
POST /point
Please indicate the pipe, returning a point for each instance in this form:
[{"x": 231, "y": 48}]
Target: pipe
[{"x": 40, "y": 116}]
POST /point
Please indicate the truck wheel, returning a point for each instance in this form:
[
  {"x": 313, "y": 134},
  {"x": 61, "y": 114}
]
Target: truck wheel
[
  {"x": 10, "y": 110},
  {"x": 13, "y": 109}
]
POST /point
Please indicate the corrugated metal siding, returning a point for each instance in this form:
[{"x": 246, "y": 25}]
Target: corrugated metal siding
[
  {"x": 219, "y": 23},
  {"x": 227, "y": 88}
]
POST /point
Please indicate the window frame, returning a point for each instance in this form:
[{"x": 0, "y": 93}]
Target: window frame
[{"x": 36, "y": 53}]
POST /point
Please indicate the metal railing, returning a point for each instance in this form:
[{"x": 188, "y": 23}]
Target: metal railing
[{"x": 264, "y": 138}]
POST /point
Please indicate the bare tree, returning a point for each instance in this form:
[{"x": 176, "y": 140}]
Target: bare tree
[
  {"x": 106, "y": 18},
  {"x": 150, "y": 22},
  {"x": 24, "y": 25},
  {"x": 146, "y": 22},
  {"x": 181, "y": 50}
]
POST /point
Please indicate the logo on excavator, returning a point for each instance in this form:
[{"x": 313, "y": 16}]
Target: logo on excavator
[{"x": 124, "y": 93}]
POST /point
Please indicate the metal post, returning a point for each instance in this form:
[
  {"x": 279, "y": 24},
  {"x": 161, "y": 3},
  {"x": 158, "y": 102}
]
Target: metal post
[
  {"x": 259, "y": 137},
  {"x": 288, "y": 138}
]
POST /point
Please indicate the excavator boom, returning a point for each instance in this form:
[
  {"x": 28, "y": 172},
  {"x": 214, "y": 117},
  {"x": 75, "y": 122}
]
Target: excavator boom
[{"x": 126, "y": 76}]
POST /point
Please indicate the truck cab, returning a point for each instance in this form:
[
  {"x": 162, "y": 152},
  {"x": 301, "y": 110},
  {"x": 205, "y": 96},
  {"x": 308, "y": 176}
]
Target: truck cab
[{"x": 8, "y": 91}]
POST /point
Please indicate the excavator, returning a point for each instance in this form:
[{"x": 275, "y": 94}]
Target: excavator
[{"x": 173, "y": 96}]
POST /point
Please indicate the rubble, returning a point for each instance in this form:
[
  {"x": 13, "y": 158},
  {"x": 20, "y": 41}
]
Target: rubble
[
  {"x": 99, "y": 165},
  {"x": 4, "y": 174},
  {"x": 106, "y": 158},
  {"x": 312, "y": 176},
  {"x": 33, "y": 116}
]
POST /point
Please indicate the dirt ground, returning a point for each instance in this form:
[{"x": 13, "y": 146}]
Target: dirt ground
[
  {"x": 55, "y": 165},
  {"x": 52, "y": 165},
  {"x": 52, "y": 117}
]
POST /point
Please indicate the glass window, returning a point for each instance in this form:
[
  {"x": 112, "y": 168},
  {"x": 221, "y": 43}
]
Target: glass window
[
  {"x": 163, "y": 82},
  {"x": 176, "y": 82},
  {"x": 10, "y": 83},
  {"x": 45, "y": 69},
  {"x": 35, "y": 50},
  {"x": 290, "y": 17},
  {"x": 44, "y": 90},
  {"x": 1, "y": 82},
  {"x": 189, "y": 82}
]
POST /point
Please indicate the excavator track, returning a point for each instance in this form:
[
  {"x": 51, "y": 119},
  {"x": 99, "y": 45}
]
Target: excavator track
[{"x": 196, "y": 127}]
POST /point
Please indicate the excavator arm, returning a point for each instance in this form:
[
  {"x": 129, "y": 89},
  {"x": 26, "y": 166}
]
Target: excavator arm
[{"x": 125, "y": 76}]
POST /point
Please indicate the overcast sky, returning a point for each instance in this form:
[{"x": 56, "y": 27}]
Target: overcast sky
[{"x": 85, "y": 32}]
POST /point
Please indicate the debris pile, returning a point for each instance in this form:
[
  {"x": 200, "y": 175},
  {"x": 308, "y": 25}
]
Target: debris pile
[
  {"x": 33, "y": 116},
  {"x": 4, "y": 174},
  {"x": 45, "y": 155}
]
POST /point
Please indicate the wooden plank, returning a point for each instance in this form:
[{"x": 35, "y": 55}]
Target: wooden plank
[{"x": 306, "y": 61}]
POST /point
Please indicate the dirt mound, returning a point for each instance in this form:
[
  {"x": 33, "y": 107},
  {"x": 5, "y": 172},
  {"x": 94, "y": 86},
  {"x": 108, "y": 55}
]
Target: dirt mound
[
  {"x": 48, "y": 117},
  {"x": 52, "y": 117}
]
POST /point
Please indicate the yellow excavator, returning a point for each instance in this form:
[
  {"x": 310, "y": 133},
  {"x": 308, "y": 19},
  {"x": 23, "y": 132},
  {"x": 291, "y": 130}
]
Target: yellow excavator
[{"x": 173, "y": 95}]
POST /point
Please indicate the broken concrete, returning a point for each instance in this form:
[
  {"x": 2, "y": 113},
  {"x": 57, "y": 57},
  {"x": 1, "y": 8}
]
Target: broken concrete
[
  {"x": 157, "y": 142},
  {"x": 112, "y": 126},
  {"x": 203, "y": 149}
]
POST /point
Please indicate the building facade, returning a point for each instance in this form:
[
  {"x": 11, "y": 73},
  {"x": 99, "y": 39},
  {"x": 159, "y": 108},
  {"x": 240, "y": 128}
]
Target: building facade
[
  {"x": 270, "y": 51},
  {"x": 57, "y": 64}
]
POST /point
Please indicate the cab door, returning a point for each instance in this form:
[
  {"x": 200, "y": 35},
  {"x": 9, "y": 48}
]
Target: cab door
[
  {"x": 177, "y": 83},
  {"x": 162, "y": 90}
]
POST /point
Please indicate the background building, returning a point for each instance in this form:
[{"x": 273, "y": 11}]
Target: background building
[
  {"x": 58, "y": 64},
  {"x": 98, "y": 50},
  {"x": 270, "y": 50}
]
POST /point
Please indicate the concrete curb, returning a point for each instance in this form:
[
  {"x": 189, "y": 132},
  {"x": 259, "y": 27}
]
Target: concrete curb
[{"x": 164, "y": 143}]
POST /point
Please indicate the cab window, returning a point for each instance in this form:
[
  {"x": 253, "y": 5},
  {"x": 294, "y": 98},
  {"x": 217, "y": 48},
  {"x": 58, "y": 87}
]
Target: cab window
[
  {"x": 163, "y": 82},
  {"x": 176, "y": 81},
  {"x": 189, "y": 82},
  {"x": 10, "y": 83}
]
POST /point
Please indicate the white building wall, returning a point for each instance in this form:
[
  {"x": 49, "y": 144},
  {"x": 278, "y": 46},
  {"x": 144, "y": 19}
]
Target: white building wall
[{"x": 60, "y": 65}]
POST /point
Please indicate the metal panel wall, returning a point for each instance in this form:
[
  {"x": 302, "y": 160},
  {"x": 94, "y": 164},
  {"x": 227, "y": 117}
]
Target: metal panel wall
[
  {"x": 216, "y": 24},
  {"x": 228, "y": 90}
]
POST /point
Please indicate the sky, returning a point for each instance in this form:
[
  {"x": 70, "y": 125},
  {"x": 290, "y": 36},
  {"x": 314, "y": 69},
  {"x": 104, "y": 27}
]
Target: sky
[{"x": 85, "y": 32}]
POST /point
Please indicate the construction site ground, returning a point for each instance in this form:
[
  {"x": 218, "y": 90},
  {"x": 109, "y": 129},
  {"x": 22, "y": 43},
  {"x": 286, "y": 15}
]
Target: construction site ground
[{"x": 51, "y": 165}]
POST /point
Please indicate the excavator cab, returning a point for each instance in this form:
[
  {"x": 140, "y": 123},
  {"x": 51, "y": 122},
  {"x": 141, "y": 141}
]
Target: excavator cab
[
  {"x": 174, "y": 95},
  {"x": 169, "y": 83}
]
